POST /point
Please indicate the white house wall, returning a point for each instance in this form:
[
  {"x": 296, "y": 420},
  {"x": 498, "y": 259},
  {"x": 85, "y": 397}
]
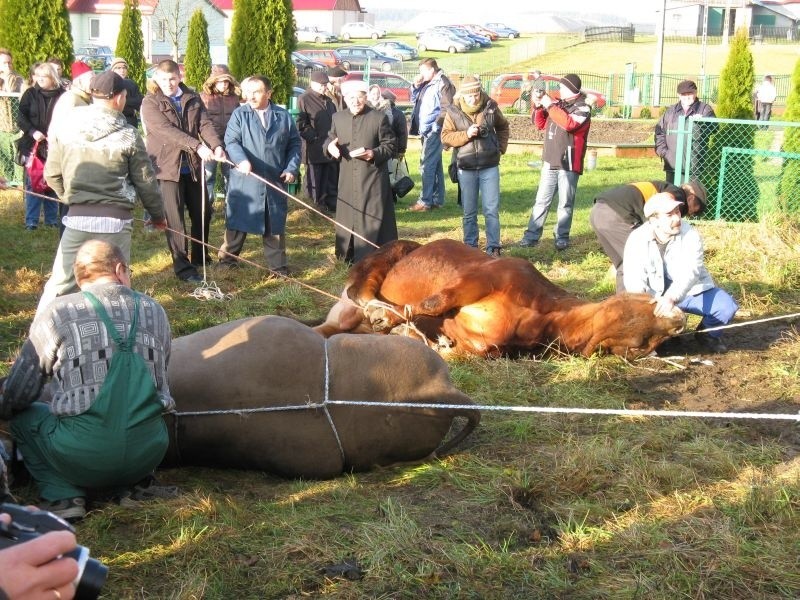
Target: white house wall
[{"x": 109, "y": 30}]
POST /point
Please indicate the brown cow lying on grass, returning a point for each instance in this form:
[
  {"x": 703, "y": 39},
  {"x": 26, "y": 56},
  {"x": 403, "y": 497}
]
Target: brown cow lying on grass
[
  {"x": 276, "y": 362},
  {"x": 489, "y": 306}
]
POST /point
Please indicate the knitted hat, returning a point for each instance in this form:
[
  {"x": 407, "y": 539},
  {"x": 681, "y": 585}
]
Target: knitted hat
[
  {"x": 107, "y": 85},
  {"x": 319, "y": 77},
  {"x": 389, "y": 95},
  {"x": 469, "y": 85},
  {"x": 572, "y": 82},
  {"x": 118, "y": 62},
  {"x": 79, "y": 68},
  {"x": 687, "y": 87},
  {"x": 662, "y": 204},
  {"x": 336, "y": 72}
]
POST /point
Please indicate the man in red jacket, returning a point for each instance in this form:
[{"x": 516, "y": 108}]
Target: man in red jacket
[
  {"x": 566, "y": 123},
  {"x": 179, "y": 135}
]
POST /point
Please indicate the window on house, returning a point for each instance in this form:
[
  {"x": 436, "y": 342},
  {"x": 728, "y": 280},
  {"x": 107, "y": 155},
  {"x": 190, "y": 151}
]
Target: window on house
[
  {"x": 94, "y": 29},
  {"x": 161, "y": 30}
]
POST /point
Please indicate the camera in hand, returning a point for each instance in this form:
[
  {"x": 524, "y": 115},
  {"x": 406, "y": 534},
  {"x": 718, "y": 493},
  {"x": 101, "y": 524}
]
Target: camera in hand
[
  {"x": 482, "y": 131},
  {"x": 28, "y": 524}
]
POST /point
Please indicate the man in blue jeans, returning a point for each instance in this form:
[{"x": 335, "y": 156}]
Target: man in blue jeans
[
  {"x": 431, "y": 91},
  {"x": 664, "y": 258},
  {"x": 566, "y": 122},
  {"x": 478, "y": 133}
]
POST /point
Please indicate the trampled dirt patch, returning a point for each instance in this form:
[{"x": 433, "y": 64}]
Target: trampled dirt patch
[
  {"x": 603, "y": 131},
  {"x": 739, "y": 381}
]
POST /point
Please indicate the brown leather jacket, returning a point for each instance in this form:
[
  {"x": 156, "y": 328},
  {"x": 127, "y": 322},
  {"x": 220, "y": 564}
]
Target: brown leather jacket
[{"x": 169, "y": 135}]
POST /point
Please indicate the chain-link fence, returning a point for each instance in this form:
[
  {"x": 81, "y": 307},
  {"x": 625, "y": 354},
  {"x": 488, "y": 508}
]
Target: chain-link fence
[
  {"x": 9, "y": 134},
  {"x": 745, "y": 165}
]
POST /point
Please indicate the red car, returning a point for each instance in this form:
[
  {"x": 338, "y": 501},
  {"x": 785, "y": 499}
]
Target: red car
[
  {"x": 398, "y": 85},
  {"x": 514, "y": 89}
]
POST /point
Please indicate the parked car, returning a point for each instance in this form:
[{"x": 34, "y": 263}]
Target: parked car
[
  {"x": 97, "y": 57},
  {"x": 305, "y": 65},
  {"x": 479, "y": 29},
  {"x": 502, "y": 30},
  {"x": 514, "y": 89},
  {"x": 329, "y": 58},
  {"x": 481, "y": 40},
  {"x": 357, "y": 57},
  {"x": 351, "y": 31},
  {"x": 443, "y": 29},
  {"x": 398, "y": 50},
  {"x": 314, "y": 34},
  {"x": 442, "y": 41},
  {"x": 398, "y": 85}
]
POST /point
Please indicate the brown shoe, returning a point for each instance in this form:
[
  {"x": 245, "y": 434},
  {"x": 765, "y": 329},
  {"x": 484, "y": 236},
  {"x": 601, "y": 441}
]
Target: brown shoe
[{"x": 420, "y": 207}]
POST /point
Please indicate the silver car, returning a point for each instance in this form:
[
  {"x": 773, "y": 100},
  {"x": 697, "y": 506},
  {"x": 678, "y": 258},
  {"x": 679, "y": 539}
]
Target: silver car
[
  {"x": 315, "y": 35},
  {"x": 441, "y": 41}
]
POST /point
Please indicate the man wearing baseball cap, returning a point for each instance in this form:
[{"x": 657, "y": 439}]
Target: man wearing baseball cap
[
  {"x": 667, "y": 140},
  {"x": 619, "y": 210},
  {"x": 664, "y": 258},
  {"x": 98, "y": 166}
]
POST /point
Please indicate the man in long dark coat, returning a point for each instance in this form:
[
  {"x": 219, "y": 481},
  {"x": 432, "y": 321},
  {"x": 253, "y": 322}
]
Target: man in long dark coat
[
  {"x": 314, "y": 122},
  {"x": 362, "y": 140}
]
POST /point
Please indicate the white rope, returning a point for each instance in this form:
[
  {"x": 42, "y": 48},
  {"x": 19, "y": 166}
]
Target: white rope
[
  {"x": 581, "y": 411},
  {"x": 519, "y": 409},
  {"x": 744, "y": 323},
  {"x": 306, "y": 205},
  {"x": 325, "y": 406},
  {"x": 207, "y": 290}
]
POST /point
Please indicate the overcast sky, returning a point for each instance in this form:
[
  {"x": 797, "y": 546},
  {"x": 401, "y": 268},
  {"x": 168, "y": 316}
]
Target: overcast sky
[{"x": 504, "y": 10}]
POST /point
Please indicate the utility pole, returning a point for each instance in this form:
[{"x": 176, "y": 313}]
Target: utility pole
[{"x": 659, "y": 58}]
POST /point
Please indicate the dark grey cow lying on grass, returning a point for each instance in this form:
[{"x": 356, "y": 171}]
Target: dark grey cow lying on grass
[{"x": 276, "y": 362}]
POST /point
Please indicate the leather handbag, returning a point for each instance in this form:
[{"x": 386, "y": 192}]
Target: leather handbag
[{"x": 402, "y": 182}]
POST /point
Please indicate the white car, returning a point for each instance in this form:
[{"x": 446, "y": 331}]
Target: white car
[
  {"x": 442, "y": 41},
  {"x": 315, "y": 35},
  {"x": 351, "y": 31}
]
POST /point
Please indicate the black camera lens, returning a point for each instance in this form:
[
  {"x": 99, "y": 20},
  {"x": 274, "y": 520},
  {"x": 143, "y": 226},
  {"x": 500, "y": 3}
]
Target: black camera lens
[
  {"x": 91, "y": 577},
  {"x": 482, "y": 131}
]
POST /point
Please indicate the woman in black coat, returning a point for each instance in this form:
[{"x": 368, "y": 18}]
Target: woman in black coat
[{"x": 35, "y": 112}]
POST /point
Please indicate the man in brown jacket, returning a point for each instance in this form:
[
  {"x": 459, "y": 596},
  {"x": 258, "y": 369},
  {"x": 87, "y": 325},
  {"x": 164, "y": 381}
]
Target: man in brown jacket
[{"x": 179, "y": 136}]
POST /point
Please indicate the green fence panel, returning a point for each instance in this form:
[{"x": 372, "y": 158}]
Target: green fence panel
[
  {"x": 742, "y": 164},
  {"x": 9, "y": 134}
]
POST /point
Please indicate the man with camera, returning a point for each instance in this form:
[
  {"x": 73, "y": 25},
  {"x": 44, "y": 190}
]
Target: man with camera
[
  {"x": 87, "y": 393},
  {"x": 478, "y": 133},
  {"x": 566, "y": 122},
  {"x": 31, "y": 570}
]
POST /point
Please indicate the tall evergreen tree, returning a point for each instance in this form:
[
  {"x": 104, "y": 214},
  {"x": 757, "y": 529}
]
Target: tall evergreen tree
[
  {"x": 198, "y": 51},
  {"x": 740, "y": 197},
  {"x": 789, "y": 188},
  {"x": 262, "y": 40},
  {"x": 130, "y": 42},
  {"x": 34, "y": 31}
]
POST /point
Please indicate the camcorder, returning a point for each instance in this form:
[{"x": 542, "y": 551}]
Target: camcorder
[{"x": 28, "y": 524}]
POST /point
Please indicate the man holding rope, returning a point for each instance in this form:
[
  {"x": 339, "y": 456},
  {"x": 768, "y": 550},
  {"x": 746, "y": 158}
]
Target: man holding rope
[
  {"x": 98, "y": 165},
  {"x": 261, "y": 139}
]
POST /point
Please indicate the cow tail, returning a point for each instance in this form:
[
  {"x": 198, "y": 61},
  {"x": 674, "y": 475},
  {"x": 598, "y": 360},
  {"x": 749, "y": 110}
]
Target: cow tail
[{"x": 473, "y": 417}]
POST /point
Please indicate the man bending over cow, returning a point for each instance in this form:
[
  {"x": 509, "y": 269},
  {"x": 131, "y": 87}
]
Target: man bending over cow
[
  {"x": 664, "y": 258},
  {"x": 98, "y": 424}
]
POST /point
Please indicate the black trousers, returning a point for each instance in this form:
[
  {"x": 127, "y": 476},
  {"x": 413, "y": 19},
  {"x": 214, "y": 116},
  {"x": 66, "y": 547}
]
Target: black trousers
[
  {"x": 185, "y": 195},
  {"x": 322, "y": 183}
]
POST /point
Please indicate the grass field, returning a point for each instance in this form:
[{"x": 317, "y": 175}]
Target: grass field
[
  {"x": 531, "y": 505},
  {"x": 551, "y": 506}
]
